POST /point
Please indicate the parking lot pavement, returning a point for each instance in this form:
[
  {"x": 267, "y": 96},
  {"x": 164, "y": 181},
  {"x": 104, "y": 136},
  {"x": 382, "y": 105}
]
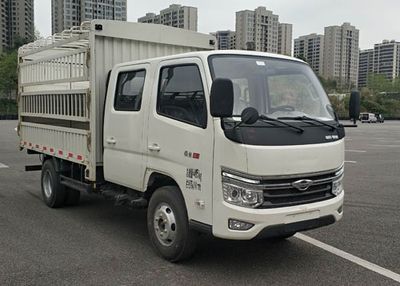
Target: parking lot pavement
[
  {"x": 370, "y": 227},
  {"x": 96, "y": 243}
]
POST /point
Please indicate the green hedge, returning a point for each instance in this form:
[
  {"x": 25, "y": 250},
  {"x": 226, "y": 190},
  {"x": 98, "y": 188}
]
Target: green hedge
[{"x": 8, "y": 107}]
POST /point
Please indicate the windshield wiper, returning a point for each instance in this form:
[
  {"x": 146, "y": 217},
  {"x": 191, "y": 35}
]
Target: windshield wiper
[
  {"x": 305, "y": 118},
  {"x": 266, "y": 118}
]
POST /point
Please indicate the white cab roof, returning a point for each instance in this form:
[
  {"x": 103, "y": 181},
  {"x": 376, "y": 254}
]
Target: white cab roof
[{"x": 206, "y": 54}]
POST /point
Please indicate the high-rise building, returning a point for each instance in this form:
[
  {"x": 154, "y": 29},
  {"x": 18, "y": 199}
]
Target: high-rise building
[
  {"x": 150, "y": 18},
  {"x": 260, "y": 30},
  {"x": 177, "y": 16},
  {"x": 16, "y": 22},
  {"x": 311, "y": 49},
  {"x": 341, "y": 51},
  {"x": 285, "y": 39},
  {"x": 69, "y": 13},
  {"x": 245, "y": 34},
  {"x": 365, "y": 66},
  {"x": 387, "y": 59},
  {"x": 226, "y": 40}
]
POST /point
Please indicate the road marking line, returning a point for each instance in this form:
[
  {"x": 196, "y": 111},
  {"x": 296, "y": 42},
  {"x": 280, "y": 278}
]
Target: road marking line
[
  {"x": 352, "y": 258},
  {"x": 352, "y": 162},
  {"x": 2, "y": 166},
  {"x": 356, "y": 151},
  {"x": 381, "y": 145}
]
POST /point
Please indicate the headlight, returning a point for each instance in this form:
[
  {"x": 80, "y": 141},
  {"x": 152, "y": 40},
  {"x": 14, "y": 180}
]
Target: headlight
[
  {"x": 337, "y": 186},
  {"x": 241, "y": 196}
]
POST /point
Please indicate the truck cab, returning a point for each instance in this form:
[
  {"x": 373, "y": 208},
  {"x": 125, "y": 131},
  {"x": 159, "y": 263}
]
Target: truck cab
[{"x": 180, "y": 118}]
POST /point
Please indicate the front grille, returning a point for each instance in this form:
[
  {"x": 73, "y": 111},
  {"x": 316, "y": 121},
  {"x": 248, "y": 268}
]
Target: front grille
[{"x": 280, "y": 192}]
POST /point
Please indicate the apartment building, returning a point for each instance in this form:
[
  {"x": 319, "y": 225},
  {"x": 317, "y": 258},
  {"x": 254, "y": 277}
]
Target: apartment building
[
  {"x": 260, "y": 30},
  {"x": 311, "y": 49},
  {"x": 69, "y": 13},
  {"x": 285, "y": 39},
  {"x": 16, "y": 23},
  {"x": 150, "y": 18},
  {"x": 341, "y": 54},
  {"x": 175, "y": 15},
  {"x": 226, "y": 40},
  {"x": 365, "y": 66},
  {"x": 387, "y": 59}
]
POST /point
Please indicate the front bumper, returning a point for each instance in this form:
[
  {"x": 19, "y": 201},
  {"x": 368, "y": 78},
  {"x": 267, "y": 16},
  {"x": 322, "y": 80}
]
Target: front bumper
[{"x": 275, "y": 222}]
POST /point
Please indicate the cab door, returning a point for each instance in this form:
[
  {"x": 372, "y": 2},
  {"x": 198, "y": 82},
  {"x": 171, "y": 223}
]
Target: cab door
[
  {"x": 124, "y": 132},
  {"x": 180, "y": 133}
]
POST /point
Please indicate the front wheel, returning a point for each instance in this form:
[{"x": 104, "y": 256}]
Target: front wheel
[{"x": 168, "y": 225}]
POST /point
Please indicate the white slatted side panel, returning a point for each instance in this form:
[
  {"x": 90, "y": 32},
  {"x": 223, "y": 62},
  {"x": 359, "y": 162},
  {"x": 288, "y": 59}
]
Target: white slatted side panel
[
  {"x": 69, "y": 66},
  {"x": 52, "y": 140},
  {"x": 65, "y": 105}
]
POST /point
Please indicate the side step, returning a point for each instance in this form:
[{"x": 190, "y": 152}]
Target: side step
[
  {"x": 123, "y": 196},
  {"x": 75, "y": 185}
]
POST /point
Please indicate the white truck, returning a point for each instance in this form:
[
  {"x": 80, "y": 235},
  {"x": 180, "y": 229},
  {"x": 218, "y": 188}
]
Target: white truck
[{"x": 238, "y": 144}]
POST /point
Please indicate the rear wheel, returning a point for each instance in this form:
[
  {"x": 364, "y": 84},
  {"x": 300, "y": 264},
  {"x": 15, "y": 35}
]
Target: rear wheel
[
  {"x": 168, "y": 225},
  {"x": 53, "y": 192}
]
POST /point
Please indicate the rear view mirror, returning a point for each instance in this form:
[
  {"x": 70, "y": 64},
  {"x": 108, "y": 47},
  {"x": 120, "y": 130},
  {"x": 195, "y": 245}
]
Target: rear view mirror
[
  {"x": 250, "y": 115},
  {"x": 354, "y": 106},
  {"x": 221, "y": 98}
]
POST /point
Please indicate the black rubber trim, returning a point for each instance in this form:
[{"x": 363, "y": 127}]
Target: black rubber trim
[
  {"x": 200, "y": 227},
  {"x": 264, "y": 135},
  {"x": 285, "y": 229},
  {"x": 32, "y": 152}
]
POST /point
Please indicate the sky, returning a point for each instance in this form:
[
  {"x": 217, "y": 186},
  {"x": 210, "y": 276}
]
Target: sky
[{"x": 376, "y": 20}]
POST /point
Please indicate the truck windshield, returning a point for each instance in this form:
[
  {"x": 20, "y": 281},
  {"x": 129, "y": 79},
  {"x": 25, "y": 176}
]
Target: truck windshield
[{"x": 275, "y": 87}]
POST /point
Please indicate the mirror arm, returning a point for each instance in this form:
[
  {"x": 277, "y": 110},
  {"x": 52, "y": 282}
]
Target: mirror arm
[{"x": 349, "y": 125}]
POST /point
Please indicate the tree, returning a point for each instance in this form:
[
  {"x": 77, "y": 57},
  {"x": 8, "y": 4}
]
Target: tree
[
  {"x": 8, "y": 74},
  {"x": 379, "y": 83},
  {"x": 330, "y": 85}
]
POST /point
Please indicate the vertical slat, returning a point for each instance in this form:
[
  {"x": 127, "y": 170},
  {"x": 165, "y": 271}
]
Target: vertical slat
[
  {"x": 68, "y": 98},
  {"x": 76, "y": 105}
]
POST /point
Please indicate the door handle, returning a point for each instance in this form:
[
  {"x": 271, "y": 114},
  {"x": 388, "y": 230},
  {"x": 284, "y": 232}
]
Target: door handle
[
  {"x": 154, "y": 148},
  {"x": 111, "y": 140}
]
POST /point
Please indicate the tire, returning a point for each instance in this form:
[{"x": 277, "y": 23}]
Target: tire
[
  {"x": 53, "y": 192},
  {"x": 72, "y": 197},
  {"x": 167, "y": 211}
]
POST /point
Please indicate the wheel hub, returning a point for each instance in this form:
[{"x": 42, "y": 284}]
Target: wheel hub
[
  {"x": 165, "y": 224},
  {"x": 47, "y": 184}
]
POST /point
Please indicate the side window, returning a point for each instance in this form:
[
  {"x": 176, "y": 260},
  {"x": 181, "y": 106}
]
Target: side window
[
  {"x": 181, "y": 95},
  {"x": 128, "y": 96}
]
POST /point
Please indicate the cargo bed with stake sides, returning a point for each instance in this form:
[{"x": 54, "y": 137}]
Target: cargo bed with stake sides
[{"x": 238, "y": 144}]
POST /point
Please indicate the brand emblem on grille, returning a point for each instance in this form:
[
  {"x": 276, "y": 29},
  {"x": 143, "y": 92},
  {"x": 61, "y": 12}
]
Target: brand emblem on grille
[{"x": 302, "y": 185}]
